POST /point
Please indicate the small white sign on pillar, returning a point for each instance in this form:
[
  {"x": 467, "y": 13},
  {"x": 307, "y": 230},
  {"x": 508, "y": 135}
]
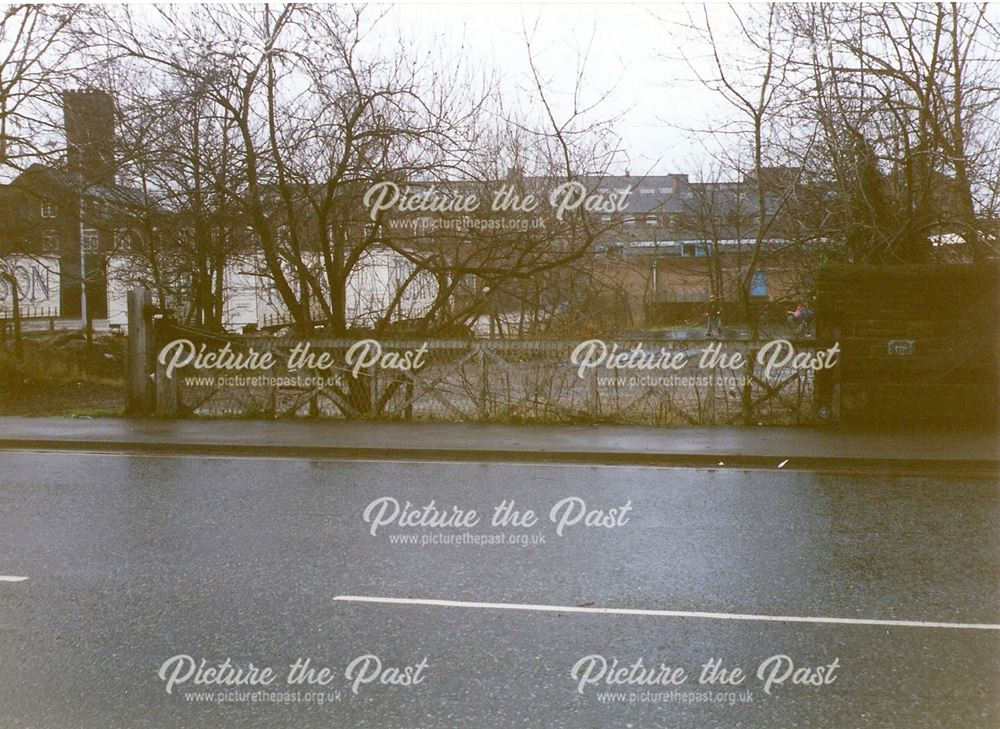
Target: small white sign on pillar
[{"x": 902, "y": 347}]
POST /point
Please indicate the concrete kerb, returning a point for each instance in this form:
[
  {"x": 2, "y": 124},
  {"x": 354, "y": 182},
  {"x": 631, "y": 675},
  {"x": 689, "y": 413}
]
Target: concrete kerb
[{"x": 708, "y": 461}]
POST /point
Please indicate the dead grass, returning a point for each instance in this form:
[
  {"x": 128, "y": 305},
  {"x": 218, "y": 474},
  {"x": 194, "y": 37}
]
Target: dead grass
[{"x": 60, "y": 375}]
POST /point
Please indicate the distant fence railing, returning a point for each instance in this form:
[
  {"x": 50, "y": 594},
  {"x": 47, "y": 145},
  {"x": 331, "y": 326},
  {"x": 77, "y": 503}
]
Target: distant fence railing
[
  {"x": 9, "y": 326},
  {"x": 481, "y": 380},
  {"x": 29, "y": 312}
]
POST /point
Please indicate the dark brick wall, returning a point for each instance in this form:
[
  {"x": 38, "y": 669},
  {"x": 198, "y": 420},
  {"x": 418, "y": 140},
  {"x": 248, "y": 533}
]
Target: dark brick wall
[{"x": 949, "y": 311}]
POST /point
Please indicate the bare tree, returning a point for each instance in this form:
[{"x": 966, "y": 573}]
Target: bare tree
[
  {"x": 37, "y": 55},
  {"x": 906, "y": 99},
  {"x": 758, "y": 149},
  {"x": 316, "y": 116}
]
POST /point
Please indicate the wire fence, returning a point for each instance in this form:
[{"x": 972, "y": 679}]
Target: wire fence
[{"x": 486, "y": 380}]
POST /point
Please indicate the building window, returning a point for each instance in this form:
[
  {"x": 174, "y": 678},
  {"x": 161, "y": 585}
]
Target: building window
[
  {"x": 50, "y": 243},
  {"x": 48, "y": 209},
  {"x": 758, "y": 284},
  {"x": 688, "y": 249},
  {"x": 123, "y": 239},
  {"x": 89, "y": 240}
]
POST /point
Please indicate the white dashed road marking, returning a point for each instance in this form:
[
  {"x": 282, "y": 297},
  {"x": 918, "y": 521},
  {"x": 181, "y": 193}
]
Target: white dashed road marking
[{"x": 12, "y": 578}]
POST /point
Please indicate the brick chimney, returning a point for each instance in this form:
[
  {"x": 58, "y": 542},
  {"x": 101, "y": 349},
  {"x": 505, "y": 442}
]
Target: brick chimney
[{"x": 89, "y": 118}]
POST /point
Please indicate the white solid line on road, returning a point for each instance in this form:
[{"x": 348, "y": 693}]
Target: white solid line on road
[
  {"x": 661, "y": 613},
  {"x": 12, "y": 578}
]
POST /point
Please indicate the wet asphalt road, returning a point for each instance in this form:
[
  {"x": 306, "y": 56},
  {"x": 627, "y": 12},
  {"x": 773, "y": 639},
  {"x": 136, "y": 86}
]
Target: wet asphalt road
[{"x": 134, "y": 560}]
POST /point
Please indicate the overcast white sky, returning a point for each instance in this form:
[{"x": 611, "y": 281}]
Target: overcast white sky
[{"x": 633, "y": 51}]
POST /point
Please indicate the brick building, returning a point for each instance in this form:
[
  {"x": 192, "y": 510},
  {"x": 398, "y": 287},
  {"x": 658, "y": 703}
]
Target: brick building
[
  {"x": 74, "y": 213},
  {"x": 693, "y": 240}
]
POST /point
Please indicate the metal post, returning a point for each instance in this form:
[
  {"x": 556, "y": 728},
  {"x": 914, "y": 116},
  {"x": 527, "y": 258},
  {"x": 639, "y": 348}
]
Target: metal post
[
  {"x": 83, "y": 271},
  {"x": 16, "y": 310},
  {"x": 16, "y": 314}
]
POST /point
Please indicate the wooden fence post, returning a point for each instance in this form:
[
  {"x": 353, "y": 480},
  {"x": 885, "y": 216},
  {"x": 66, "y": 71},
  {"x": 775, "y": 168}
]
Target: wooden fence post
[
  {"x": 747, "y": 394},
  {"x": 483, "y": 383},
  {"x": 167, "y": 398},
  {"x": 373, "y": 393},
  {"x": 837, "y": 389},
  {"x": 140, "y": 392},
  {"x": 595, "y": 393}
]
